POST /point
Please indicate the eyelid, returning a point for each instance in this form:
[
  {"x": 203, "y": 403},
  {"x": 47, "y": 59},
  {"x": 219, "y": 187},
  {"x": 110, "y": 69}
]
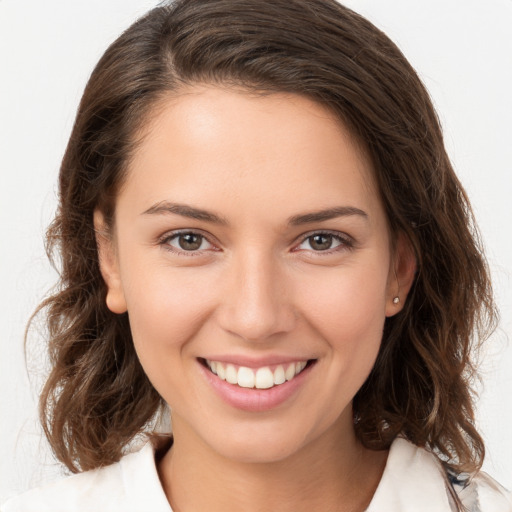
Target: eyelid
[
  {"x": 163, "y": 239},
  {"x": 347, "y": 242}
]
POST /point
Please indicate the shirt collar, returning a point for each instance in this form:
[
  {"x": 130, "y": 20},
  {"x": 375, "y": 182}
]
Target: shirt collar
[{"x": 412, "y": 480}]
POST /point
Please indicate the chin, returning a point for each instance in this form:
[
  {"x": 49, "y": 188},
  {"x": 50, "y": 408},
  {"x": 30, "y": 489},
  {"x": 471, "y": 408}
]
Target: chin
[
  {"x": 271, "y": 440},
  {"x": 259, "y": 449}
]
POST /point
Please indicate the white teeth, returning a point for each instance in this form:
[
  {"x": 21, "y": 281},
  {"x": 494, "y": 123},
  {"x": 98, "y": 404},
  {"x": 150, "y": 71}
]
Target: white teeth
[
  {"x": 231, "y": 374},
  {"x": 245, "y": 377},
  {"x": 262, "y": 378},
  {"x": 279, "y": 376},
  {"x": 290, "y": 372},
  {"x": 221, "y": 371}
]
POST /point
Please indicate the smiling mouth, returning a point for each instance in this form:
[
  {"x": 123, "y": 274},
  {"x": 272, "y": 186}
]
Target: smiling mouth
[{"x": 258, "y": 378}]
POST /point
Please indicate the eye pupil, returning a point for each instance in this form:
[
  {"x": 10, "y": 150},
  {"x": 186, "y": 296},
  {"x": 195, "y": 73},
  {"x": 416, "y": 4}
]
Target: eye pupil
[
  {"x": 321, "y": 242},
  {"x": 190, "y": 241}
]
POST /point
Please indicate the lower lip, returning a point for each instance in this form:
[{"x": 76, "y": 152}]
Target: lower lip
[{"x": 252, "y": 399}]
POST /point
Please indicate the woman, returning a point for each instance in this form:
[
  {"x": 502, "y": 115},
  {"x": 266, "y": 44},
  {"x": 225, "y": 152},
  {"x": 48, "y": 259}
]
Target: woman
[{"x": 260, "y": 229}]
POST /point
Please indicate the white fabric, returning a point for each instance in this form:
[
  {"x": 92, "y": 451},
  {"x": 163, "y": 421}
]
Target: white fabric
[{"x": 412, "y": 482}]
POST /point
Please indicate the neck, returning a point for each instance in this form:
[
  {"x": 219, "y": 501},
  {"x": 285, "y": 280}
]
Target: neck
[{"x": 334, "y": 473}]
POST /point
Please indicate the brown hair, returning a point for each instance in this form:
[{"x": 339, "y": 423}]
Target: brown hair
[{"x": 97, "y": 397}]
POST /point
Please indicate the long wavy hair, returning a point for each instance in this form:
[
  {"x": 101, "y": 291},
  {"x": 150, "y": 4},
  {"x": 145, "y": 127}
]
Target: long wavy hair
[{"x": 97, "y": 397}]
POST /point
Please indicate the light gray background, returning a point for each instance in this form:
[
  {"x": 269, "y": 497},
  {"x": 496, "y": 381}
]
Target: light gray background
[{"x": 462, "y": 50}]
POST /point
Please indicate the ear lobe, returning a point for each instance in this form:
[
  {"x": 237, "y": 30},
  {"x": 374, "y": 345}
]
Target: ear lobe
[
  {"x": 109, "y": 266},
  {"x": 401, "y": 276}
]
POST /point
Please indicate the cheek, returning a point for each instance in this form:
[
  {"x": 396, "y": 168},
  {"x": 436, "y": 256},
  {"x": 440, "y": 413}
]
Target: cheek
[
  {"x": 347, "y": 308},
  {"x": 166, "y": 308}
]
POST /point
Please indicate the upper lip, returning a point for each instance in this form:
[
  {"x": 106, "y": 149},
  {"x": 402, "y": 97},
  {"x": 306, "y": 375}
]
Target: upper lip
[{"x": 256, "y": 362}]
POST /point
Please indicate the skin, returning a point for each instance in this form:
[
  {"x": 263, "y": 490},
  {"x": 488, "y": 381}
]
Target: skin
[{"x": 255, "y": 287}]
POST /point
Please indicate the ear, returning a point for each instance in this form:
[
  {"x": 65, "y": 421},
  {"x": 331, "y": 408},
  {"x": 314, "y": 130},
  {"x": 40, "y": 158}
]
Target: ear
[
  {"x": 109, "y": 265},
  {"x": 401, "y": 275}
]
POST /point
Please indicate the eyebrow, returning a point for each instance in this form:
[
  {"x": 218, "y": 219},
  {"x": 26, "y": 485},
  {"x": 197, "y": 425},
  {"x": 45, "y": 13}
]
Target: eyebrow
[
  {"x": 165, "y": 207},
  {"x": 327, "y": 214},
  {"x": 191, "y": 212}
]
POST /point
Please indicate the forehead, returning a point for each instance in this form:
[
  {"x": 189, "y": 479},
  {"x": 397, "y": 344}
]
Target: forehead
[{"x": 216, "y": 144}]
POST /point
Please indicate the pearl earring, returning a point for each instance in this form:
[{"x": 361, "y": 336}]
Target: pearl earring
[{"x": 396, "y": 300}]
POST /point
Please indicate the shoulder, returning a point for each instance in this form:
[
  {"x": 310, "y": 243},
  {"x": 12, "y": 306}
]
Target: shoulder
[
  {"x": 132, "y": 484},
  {"x": 414, "y": 479}
]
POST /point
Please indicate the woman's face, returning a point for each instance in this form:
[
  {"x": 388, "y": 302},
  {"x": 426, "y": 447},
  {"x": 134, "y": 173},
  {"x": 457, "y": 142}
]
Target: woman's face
[{"x": 250, "y": 244}]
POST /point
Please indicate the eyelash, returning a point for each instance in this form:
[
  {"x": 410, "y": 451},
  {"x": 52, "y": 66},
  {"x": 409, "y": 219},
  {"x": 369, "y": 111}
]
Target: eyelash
[
  {"x": 164, "y": 242},
  {"x": 345, "y": 242}
]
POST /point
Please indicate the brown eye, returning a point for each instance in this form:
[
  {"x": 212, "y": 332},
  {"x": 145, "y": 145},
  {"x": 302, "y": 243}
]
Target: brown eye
[
  {"x": 320, "y": 242},
  {"x": 190, "y": 241},
  {"x": 326, "y": 242},
  {"x": 187, "y": 241}
]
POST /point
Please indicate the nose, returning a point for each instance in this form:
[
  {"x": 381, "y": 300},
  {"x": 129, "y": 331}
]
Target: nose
[{"x": 257, "y": 299}]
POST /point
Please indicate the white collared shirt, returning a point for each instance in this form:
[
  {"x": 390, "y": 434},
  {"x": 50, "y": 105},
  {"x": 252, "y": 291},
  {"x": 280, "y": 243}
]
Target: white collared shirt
[{"x": 412, "y": 481}]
